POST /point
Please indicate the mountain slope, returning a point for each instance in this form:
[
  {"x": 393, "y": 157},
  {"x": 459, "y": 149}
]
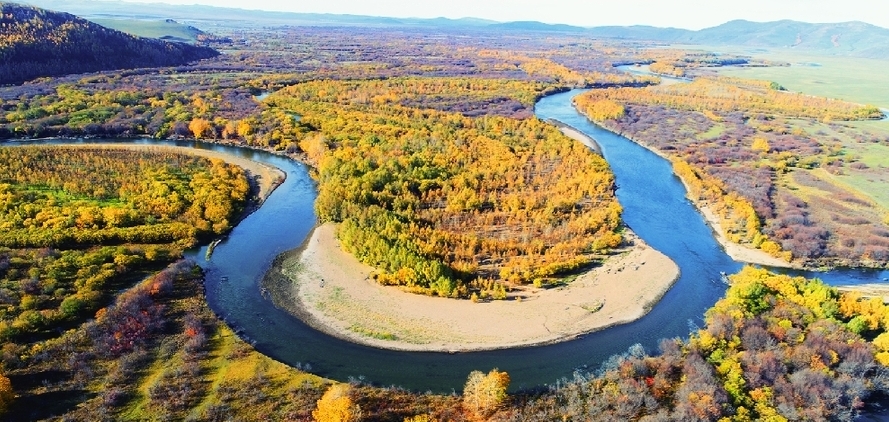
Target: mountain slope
[
  {"x": 534, "y": 26},
  {"x": 167, "y": 29},
  {"x": 846, "y": 38},
  {"x": 640, "y": 32},
  {"x": 37, "y": 42}
]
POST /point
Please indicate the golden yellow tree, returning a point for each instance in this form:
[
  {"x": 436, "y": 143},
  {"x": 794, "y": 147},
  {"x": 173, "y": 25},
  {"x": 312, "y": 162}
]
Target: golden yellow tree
[
  {"x": 484, "y": 394},
  {"x": 761, "y": 144},
  {"x": 199, "y": 127},
  {"x": 336, "y": 406}
]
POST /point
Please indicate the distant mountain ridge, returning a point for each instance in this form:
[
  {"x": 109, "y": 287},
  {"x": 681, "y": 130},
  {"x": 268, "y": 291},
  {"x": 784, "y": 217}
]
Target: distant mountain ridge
[
  {"x": 37, "y": 42},
  {"x": 845, "y": 38},
  {"x": 848, "y": 38}
]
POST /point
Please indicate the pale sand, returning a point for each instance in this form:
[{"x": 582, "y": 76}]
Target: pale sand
[
  {"x": 265, "y": 177},
  {"x": 739, "y": 252},
  {"x": 868, "y": 290},
  {"x": 577, "y": 135},
  {"x": 334, "y": 293}
]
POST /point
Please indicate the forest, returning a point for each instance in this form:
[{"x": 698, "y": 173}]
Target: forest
[
  {"x": 446, "y": 202},
  {"x": 425, "y": 149}
]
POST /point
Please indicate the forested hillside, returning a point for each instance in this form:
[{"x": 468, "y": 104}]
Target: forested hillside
[{"x": 36, "y": 42}]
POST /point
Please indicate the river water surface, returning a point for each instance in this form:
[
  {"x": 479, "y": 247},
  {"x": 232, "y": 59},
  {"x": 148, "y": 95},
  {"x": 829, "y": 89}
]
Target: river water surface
[{"x": 654, "y": 207}]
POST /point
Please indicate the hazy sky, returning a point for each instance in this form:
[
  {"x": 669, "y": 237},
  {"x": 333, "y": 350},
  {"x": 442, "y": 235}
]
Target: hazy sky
[{"x": 691, "y": 14}]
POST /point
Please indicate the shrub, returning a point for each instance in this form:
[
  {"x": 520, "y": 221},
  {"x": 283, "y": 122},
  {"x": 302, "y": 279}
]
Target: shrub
[{"x": 336, "y": 406}]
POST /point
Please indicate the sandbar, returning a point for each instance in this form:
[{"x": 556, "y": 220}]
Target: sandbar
[{"x": 333, "y": 292}]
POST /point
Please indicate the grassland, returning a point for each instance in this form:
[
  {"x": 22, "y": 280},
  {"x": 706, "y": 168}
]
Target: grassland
[
  {"x": 853, "y": 79},
  {"x": 161, "y": 29}
]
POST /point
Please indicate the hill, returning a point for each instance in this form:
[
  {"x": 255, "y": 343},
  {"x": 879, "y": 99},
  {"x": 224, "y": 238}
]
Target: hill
[
  {"x": 639, "y": 32},
  {"x": 166, "y": 29},
  {"x": 37, "y": 42},
  {"x": 534, "y": 26},
  {"x": 846, "y": 38},
  {"x": 857, "y": 39}
]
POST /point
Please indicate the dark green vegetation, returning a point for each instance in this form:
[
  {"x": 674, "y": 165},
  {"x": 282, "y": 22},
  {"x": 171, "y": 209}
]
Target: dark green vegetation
[
  {"x": 423, "y": 142},
  {"x": 37, "y": 42}
]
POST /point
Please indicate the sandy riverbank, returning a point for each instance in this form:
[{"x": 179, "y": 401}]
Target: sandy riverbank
[
  {"x": 329, "y": 289},
  {"x": 738, "y": 252},
  {"x": 577, "y": 135}
]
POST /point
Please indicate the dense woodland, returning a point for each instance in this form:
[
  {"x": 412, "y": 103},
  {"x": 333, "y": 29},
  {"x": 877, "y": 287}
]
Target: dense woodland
[
  {"x": 755, "y": 154},
  {"x": 437, "y": 200},
  {"x": 36, "y": 42},
  {"x": 425, "y": 148}
]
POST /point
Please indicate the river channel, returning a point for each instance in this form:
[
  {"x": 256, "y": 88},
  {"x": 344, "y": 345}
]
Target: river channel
[{"x": 654, "y": 205}]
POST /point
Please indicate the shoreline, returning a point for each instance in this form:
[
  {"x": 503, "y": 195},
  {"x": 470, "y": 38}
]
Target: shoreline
[
  {"x": 736, "y": 251},
  {"x": 577, "y": 135},
  {"x": 331, "y": 291}
]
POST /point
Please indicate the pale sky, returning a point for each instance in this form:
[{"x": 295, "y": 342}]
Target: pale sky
[{"x": 689, "y": 14}]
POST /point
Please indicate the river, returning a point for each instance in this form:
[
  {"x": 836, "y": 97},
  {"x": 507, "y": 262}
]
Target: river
[{"x": 654, "y": 207}]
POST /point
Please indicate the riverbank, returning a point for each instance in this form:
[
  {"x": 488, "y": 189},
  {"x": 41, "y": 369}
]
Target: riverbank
[
  {"x": 736, "y": 251},
  {"x": 739, "y": 252},
  {"x": 577, "y": 135},
  {"x": 333, "y": 292}
]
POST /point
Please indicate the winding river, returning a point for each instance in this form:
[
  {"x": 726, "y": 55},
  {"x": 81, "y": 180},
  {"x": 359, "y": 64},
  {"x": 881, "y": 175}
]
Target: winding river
[{"x": 654, "y": 207}]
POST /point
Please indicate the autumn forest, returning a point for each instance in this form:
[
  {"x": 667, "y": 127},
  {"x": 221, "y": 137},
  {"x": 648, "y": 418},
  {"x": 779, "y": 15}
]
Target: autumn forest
[{"x": 424, "y": 150}]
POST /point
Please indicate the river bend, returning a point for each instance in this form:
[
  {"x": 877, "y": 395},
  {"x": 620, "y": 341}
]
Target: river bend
[{"x": 655, "y": 208}]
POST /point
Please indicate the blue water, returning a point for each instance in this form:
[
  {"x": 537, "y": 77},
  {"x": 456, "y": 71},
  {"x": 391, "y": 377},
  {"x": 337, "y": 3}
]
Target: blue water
[{"x": 654, "y": 207}]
